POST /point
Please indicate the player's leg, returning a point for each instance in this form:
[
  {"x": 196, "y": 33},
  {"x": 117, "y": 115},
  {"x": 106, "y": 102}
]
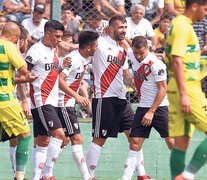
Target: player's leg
[
  {"x": 133, "y": 157},
  {"x": 12, "y": 153},
  {"x": 199, "y": 113},
  {"x": 103, "y": 111},
  {"x": 70, "y": 123},
  {"x": 13, "y": 116},
  {"x": 170, "y": 142},
  {"x": 126, "y": 122},
  {"x": 137, "y": 136},
  {"x": 49, "y": 122}
]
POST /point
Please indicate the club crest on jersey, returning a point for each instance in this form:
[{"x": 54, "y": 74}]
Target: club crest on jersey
[
  {"x": 50, "y": 123},
  {"x": 76, "y": 125},
  {"x": 104, "y": 132},
  {"x": 116, "y": 60},
  {"x": 146, "y": 69}
]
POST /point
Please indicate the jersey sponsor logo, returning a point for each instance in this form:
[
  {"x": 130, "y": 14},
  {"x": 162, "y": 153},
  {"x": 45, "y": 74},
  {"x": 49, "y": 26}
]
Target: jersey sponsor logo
[
  {"x": 140, "y": 76},
  {"x": 116, "y": 60},
  {"x": 111, "y": 71},
  {"x": 79, "y": 75},
  {"x": 29, "y": 58},
  {"x": 161, "y": 72},
  {"x": 51, "y": 66}
]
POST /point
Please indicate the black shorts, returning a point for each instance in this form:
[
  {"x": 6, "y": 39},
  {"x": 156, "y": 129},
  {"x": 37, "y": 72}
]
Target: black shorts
[
  {"x": 4, "y": 136},
  {"x": 159, "y": 122},
  {"x": 107, "y": 114},
  {"x": 45, "y": 119},
  {"x": 69, "y": 120},
  {"x": 126, "y": 118}
]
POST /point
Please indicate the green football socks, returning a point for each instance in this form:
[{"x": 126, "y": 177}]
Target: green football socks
[
  {"x": 199, "y": 158},
  {"x": 22, "y": 153},
  {"x": 177, "y": 162}
]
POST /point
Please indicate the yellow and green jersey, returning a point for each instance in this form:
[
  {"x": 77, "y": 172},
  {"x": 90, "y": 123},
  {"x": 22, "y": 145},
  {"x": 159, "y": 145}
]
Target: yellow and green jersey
[
  {"x": 182, "y": 41},
  {"x": 10, "y": 59}
]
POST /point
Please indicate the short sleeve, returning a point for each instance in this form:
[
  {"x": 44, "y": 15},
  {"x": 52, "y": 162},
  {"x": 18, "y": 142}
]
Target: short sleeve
[
  {"x": 159, "y": 71},
  {"x": 32, "y": 56},
  {"x": 179, "y": 40},
  {"x": 15, "y": 57}
]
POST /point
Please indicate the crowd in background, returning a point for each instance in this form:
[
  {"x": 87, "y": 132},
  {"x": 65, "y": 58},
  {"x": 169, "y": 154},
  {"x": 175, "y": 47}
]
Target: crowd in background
[{"x": 149, "y": 18}]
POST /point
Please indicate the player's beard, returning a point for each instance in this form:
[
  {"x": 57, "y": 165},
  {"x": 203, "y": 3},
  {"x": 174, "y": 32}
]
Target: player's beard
[{"x": 119, "y": 37}]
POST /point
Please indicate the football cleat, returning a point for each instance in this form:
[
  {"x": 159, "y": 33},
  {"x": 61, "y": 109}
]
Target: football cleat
[{"x": 180, "y": 177}]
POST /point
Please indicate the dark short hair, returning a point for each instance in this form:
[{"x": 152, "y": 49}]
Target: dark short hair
[
  {"x": 94, "y": 13},
  {"x": 115, "y": 18},
  {"x": 139, "y": 42},
  {"x": 87, "y": 38},
  {"x": 24, "y": 32},
  {"x": 188, "y": 3},
  {"x": 66, "y": 7},
  {"x": 53, "y": 25},
  {"x": 67, "y": 33},
  {"x": 166, "y": 16}
]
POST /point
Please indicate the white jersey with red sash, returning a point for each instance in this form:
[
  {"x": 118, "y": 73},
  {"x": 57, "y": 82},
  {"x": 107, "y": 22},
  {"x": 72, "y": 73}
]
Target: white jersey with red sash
[
  {"x": 108, "y": 64},
  {"x": 146, "y": 74},
  {"x": 74, "y": 74},
  {"x": 44, "y": 90}
]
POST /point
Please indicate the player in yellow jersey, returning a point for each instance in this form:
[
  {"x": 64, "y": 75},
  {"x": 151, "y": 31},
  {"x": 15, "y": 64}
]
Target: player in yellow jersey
[
  {"x": 188, "y": 105},
  {"x": 13, "y": 120}
]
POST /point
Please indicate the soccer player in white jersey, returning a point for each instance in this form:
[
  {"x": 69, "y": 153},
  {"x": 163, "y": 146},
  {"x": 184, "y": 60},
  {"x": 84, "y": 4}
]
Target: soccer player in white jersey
[
  {"x": 110, "y": 68},
  {"x": 42, "y": 58},
  {"x": 150, "y": 79},
  {"x": 69, "y": 83}
]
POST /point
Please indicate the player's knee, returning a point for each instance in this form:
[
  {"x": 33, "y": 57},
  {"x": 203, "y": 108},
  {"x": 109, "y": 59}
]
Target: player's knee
[
  {"x": 76, "y": 139},
  {"x": 58, "y": 133},
  {"x": 135, "y": 145}
]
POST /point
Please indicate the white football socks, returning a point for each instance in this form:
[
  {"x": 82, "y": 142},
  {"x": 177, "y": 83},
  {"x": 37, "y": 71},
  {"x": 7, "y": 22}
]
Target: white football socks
[
  {"x": 77, "y": 153},
  {"x": 39, "y": 156},
  {"x": 12, "y": 155},
  {"x": 140, "y": 164},
  {"x": 52, "y": 155},
  {"x": 130, "y": 165},
  {"x": 93, "y": 157}
]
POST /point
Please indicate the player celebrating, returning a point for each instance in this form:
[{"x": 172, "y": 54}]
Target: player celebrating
[
  {"x": 110, "y": 68},
  {"x": 69, "y": 83},
  {"x": 150, "y": 80},
  {"x": 42, "y": 58},
  {"x": 187, "y": 101}
]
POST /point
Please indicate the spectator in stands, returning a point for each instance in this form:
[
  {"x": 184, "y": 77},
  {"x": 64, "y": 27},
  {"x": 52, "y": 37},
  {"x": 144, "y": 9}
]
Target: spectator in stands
[
  {"x": 161, "y": 32},
  {"x": 201, "y": 32},
  {"x": 94, "y": 21},
  {"x": 17, "y": 10},
  {"x": 174, "y": 7},
  {"x": 69, "y": 21},
  {"x": 139, "y": 26},
  {"x": 47, "y": 7},
  {"x": 2, "y": 22},
  {"x": 35, "y": 24},
  {"x": 153, "y": 9},
  {"x": 1, "y": 5},
  {"x": 109, "y": 8}
]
